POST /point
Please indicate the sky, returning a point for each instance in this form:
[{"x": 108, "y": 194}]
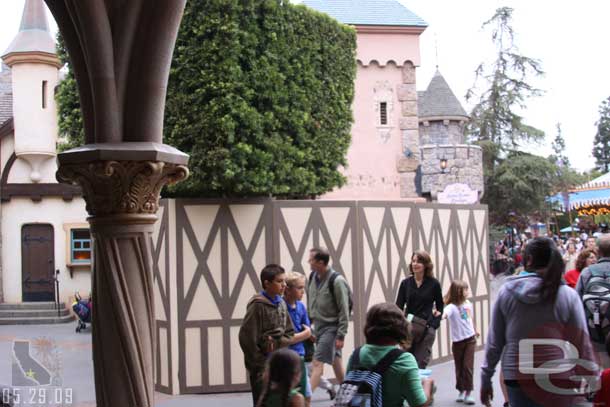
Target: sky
[{"x": 567, "y": 38}]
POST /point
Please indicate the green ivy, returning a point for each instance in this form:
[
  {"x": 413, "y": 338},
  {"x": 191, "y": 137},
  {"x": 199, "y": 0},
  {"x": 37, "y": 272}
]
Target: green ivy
[{"x": 259, "y": 96}]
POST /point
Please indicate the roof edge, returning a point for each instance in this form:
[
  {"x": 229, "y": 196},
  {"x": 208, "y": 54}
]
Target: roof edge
[
  {"x": 389, "y": 29},
  {"x": 439, "y": 118},
  {"x": 8, "y": 127}
]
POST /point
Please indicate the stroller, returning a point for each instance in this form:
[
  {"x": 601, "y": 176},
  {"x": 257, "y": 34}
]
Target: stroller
[{"x": 82, "y": 308}]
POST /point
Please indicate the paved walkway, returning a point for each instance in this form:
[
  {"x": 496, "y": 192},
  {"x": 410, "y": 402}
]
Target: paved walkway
[{"x": 74, "y": 351}]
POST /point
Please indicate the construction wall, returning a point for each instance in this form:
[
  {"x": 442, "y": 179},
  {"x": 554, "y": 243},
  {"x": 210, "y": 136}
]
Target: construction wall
[{"x": 208, "y": 254}]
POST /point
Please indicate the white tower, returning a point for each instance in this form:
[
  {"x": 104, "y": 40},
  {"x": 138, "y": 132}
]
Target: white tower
[{"x": 34, "y": 66}]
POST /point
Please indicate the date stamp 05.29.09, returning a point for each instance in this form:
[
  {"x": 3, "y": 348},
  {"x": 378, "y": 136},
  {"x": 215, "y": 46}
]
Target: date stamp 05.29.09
[{"x": 36, "y": 376}]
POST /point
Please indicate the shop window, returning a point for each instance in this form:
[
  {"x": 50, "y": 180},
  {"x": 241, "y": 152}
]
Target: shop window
[{"x": 80, "y": 246}]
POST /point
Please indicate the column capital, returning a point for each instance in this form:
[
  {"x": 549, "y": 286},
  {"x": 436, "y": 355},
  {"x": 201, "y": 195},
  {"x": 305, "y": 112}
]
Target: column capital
[{"x": 114, "y": 187}]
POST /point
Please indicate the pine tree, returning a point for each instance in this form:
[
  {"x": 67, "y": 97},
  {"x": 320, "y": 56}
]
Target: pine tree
[
  {"x": 601, "y": 142},
  {"x": 495, "y": 124},
  {"x": 559, "y": 147}
]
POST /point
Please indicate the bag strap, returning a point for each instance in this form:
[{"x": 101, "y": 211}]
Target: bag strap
[
  {"x": 356, "y": 359},
  {"x": 331, "y": 286},
  {"x": 385, "y": 362}
]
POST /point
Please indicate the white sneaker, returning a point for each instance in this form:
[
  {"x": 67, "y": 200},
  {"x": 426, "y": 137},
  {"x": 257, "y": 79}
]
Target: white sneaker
[
  {"x": 469, "y": 400},
  {"x": 460, "y": 397}
]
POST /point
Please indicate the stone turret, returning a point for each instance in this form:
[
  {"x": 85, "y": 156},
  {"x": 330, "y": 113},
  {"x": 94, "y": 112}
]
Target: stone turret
[
  {"x": 34, "y": 69},
  {"x": 442, "y": 144}
]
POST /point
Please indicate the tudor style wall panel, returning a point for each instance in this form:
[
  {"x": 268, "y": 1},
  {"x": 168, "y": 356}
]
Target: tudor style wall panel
[{"x": 221, "y": 246}]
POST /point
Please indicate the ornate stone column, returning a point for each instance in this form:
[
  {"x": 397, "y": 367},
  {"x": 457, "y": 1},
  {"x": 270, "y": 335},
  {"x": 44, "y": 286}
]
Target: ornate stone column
[
  {"x": 120, "y": 52},
  {"x": 122, "y": 198}
]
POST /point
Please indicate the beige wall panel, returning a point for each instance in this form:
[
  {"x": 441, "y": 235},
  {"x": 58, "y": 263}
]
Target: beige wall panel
[
  {"x": 189, "y": 262},
  {"x": 193, "y": 359},
  {"x": 335, "y": 220},
  {"x": 201, "y": 218},
  {"x": 258, "y": 258},
  {"x": 246, "y": 218},
  {"x": 463, "y": 217},
  {"x": 296, "y": 220},
  {"x": 163, "y": 350},
  {"x": 401, "y": 220},
  {"x": 247, "y": 291},
  {"x": 214, "y": 261},
  {"x": 479, "y": 220},
  {"x": 426, "y": 216},
  {"x": 238, "y": 371},
  {"x": 374, "y": 219},
  {"x": 235, "y": 262},
  {"x": 216, "y": 354},
  {"x": 158, "y": 223},
  {"x": 161, "y": 263},
  {"x": 203, "y": 307},
  {"x": 481, "y": 282},
  {"x": 377, "y": 294},
  {"x": 159, "y": 310},
  {"x": 347, "y": 261}
]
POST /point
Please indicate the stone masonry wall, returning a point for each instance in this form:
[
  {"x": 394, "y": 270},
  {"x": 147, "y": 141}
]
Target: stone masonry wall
[
  {"x": 409, "y": 161},
  {"x": 464, "y": 165},
  {"x": 441, "y": 132}
]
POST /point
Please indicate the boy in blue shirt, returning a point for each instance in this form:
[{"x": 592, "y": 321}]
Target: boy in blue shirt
[{"x": 295, "y": 288}]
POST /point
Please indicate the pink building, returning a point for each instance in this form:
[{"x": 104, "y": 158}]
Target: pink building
[{"x": 384, "y": 154}]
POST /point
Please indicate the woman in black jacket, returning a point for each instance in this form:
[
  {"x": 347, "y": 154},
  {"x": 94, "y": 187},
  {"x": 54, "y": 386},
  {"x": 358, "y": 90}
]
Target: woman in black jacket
[{"x": 421, "y": 299}]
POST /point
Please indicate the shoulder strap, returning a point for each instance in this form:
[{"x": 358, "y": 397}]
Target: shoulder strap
[
  {"x": 311, "y": 277},
  {"x": 356, "y": 359},
  {"x": 331, "y": 285},
  {"x": 385, "y": 362}
]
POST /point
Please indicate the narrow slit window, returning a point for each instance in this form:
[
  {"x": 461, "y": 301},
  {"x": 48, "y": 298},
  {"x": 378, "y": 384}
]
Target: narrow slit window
[
  {"x": 383, "y": 113},
  {"x": 44, "y": 94}
]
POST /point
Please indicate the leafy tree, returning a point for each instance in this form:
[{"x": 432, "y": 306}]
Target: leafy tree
[
  {"x": 259, "y": 95},
  {"x": 70, "y": 118},
  {"x": 601, "y": 142},
  {"x": 495, "y": 123},
  {"x": 519, "y": 188}
]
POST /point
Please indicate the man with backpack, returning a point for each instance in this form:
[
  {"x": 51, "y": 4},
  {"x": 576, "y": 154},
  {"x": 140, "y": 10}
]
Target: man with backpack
[
  {"x": 594, "y": 289},
  {"x": 328, "y": 298}
]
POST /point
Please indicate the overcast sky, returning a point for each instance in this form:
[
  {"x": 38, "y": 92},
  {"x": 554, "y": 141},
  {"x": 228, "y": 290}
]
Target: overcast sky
[{"x": 568, "y": 38}]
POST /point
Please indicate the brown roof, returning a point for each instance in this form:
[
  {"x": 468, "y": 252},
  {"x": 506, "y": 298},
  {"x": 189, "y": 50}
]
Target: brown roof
[{"x": 33, "y": 35}]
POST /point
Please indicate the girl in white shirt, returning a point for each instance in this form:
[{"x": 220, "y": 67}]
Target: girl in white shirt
[{"x": 458, "y": 310}]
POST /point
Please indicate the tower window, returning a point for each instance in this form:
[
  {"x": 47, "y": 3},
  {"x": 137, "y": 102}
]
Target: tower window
[
  {"x": 44, "y": 94},
  {"x": 383, "y": 113}
]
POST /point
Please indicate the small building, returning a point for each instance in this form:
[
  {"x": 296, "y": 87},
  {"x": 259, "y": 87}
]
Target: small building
[
  {"x": 446, "y": 159},
  {"x": 43, "y": 223},
  {"x": 384, "y": 153},
  {"x": 400, "y": 136}
]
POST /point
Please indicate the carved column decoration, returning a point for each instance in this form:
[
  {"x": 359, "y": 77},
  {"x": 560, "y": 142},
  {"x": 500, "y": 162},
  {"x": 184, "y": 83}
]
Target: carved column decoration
[
  {"x": 123, "y": 197},
  {"x": 120, "y": 52}
]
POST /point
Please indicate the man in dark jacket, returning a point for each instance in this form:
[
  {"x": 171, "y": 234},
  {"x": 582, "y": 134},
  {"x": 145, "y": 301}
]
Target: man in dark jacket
[{"x": 266, "y": 327}]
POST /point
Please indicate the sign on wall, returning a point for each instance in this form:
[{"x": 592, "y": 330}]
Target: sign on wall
[{"x": 458, "y": 194}]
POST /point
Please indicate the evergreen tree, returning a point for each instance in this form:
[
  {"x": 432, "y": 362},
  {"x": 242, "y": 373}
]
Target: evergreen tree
[
  {"x": 259, "y": 95},
  {"x": 601, "y": 142},
  {"x": 495, "y": 124},
  {"x": 559, "y": 148}
]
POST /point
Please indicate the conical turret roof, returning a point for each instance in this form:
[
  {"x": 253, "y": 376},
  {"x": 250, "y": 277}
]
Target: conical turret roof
[
  {"x": 439, "y": 101},
  {"x": 33, "y": 35}
]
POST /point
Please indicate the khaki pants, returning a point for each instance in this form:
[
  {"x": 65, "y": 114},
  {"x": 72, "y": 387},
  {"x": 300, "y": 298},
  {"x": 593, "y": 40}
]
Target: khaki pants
[
  {"x": 463, "y": 356},
  {"x": 421, "y": 347}
]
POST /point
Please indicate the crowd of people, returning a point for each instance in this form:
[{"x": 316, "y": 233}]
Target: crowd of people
[{"x": 550, "y": 359}]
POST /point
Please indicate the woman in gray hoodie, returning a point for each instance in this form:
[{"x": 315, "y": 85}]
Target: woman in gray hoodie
[{"x": 537, "y": 323}]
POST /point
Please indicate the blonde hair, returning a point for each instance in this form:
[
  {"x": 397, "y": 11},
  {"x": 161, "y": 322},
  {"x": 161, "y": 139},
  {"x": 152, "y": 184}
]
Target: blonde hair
[{"x": 293, "y": 277}]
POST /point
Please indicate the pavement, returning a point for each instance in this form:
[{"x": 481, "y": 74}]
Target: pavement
[{"x": 71, "y": 354}]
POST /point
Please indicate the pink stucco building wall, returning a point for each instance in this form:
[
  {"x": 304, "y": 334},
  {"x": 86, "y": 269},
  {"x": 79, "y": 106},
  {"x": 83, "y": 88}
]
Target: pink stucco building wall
[{"x": 378, "y": 167}]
